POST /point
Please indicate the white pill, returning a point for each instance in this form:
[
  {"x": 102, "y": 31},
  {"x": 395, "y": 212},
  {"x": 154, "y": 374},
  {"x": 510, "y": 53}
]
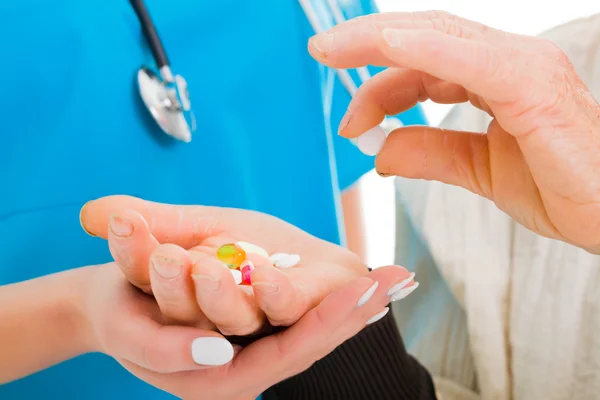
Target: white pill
[
  {"x": 371, "y": 142},
  {"x": 250, "y": 248},
  {"x": 291, "y": 260},
  {"x": 237, "y": 276},
  {"x": 277, "y": 256},
  {"x": 390, "y": 124}
]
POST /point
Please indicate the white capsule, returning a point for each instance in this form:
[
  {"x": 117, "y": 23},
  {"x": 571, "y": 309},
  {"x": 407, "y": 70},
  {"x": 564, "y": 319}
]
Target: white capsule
[
  {"x": 390, "y": 124},
  {"x": 250, "y": 248},
  {"x": 291, "y": 260},
  {"x": 275, "y": 258},
  {"x": 237, "y": 276},
  {"x": 371, "y": 142}
]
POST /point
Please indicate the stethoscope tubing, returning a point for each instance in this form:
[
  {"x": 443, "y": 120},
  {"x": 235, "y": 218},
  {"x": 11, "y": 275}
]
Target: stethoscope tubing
[{"x": 149, "y": 30}]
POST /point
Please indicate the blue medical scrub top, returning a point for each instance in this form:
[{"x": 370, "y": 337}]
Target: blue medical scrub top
[{"x": 74, "y": 129}]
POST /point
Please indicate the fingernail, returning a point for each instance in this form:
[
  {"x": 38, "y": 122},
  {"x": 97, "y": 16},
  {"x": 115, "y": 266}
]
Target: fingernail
[
  {"x": 393, "y": 37},
  {"x": 345, "y": 121},
  {"x": 266, "y": 288},
  {"x": 371, "y": 142},
  {"x": 368, "y": 294},
  {"x": 212, "y": 351},
  {"x": 401, "y": 285},
  {"x": 323, "y": 42},
  {"x": 166, "y": 268},
  {"x": 206, "y": 283},
  {"x": 378, "y": 316},
  {"x": 81, "y": 218},
  {"x": 120, "y": 227},
  {"x": 384, "y": 174},
  {"x": 405, "y": 292}
]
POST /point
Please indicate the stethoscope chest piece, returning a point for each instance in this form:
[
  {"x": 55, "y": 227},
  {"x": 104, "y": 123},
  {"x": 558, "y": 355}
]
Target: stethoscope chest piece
[
  {"x": 164, "y": 94},
  {"x": 168, "y": 102}
]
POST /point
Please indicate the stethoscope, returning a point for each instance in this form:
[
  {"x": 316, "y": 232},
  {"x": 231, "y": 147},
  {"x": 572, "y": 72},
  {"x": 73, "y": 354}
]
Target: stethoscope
[
  {"x": 165, "y": 95},
  {"x": 167, "y": 98}
]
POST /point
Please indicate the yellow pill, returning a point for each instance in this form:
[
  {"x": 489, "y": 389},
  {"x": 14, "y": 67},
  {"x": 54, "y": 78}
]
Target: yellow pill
[{"x": 231, "y": 255}]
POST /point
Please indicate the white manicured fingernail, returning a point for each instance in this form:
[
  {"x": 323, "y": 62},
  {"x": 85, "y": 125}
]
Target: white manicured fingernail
[
  {"x": 250, "y": 248},
  {"x": 378, "y": 316},
  {"x": 289, "y": 261},
  {"x": 371, "y": 142},
  {"x": 400, "y": 285},
  {"x": 405, "y": 292},
  {"x": 211, "y": 351},
  {"x": 237, "y": 276},
  {"x": 368, "y": 294}
]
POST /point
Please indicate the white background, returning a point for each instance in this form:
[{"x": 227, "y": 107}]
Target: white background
[{"x": 528, "y": 17}]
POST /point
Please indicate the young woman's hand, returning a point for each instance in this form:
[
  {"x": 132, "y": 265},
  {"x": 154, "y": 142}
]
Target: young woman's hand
[{"x": 192, "y": 363}]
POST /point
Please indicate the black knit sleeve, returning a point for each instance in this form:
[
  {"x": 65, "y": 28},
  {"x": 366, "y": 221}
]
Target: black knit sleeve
[{"x": 372, "y": 365}]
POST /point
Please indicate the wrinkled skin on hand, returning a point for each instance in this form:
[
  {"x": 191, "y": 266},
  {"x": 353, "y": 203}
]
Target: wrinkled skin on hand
[{"x": 539, "y": 160}]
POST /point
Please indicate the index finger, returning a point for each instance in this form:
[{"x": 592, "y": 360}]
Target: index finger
[
  {"x": 393, "y": 91},
  {"x": 183, "y": 225},
  {"x": 458, "y": 56}
]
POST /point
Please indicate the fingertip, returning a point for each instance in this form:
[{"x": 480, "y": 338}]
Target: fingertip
[
  {"x": 205, "y": 264},
  {"x": 257, "y": 259},
  {"x": 265, "y": 273},
  {"x": 400, "y": 153},
  {"x": 321, "y": 45},
  {"x": 267, "y": 280},
  {"x": 210, "y": 275},
  {"x": 94, "y": 215},
  {"x": 83, "y": 218}
]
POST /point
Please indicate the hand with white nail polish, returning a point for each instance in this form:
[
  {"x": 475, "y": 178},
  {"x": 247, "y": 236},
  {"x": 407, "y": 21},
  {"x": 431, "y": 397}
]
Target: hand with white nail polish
[
  {"x": 170, "y": 252},
  {"x": 129, "y": 326},
  {"x": 95, "y": 309},
  {"x": 538, "y": 161},
  {"x": 191, "y": 363}
]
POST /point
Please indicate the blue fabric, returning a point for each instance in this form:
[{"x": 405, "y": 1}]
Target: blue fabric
[{"x": 75, "y": 129}]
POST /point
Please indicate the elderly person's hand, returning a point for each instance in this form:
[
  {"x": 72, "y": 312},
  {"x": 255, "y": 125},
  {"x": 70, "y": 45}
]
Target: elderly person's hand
[
  {"x": 540, "y": 159},
  {"x": 170, "y": 251}
]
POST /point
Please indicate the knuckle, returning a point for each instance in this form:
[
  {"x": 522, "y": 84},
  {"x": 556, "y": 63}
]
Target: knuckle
[
  {"x": 287, "y": 314},
  {"x": 553, "y": 51},
  {"x": 282, "y": 318},
  {"x": 488, "y": 61},
  {"x": 440, "y": 14},
  {"x": 247, "y": 328},
  {"x": 453, "y": 27}
]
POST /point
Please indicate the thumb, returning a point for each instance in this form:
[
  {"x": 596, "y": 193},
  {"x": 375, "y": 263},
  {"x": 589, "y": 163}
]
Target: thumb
[
  {"x": 164, "y": 348},
  {"x": 182, "y": 225},
  {"x": 95, "y": 215},
  {"x": 453, "y": 157}
]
